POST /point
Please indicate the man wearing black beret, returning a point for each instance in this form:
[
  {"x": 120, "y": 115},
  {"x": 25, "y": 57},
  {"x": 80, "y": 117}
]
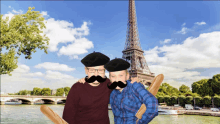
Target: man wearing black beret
[
  {"x": 127, "y": 98},
  {"x": 87, "y": 103}
]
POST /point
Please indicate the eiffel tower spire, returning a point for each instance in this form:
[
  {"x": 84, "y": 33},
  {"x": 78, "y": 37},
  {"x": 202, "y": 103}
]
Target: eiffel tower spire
[{"x": 133, "y": 52}]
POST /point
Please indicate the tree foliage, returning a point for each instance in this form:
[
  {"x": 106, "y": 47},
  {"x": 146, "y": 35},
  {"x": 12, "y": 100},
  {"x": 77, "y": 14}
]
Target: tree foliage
[
  {"x": 37, "y": 91},
  {"x": 24, "y": 34},
  {"x": 202, "y": 87},
  {"x": 207, "y": 101},
  {"x": 46, "y": 92},
  {"x": 66, "y": 90},
  {"x": 24, "y": 92},
  {"x": 166, "y": 89},
  {"x": 207, "y": 87},
  {"x": 59, "y": 92},
  {"x": 183, "y": 89},
  {"x": 198, "y": 100},
  {"x": 189, "y": 100},
  {"x": 8, "y": 62},
  {"x": 217, "y": 100},
  {"x": 215, "y": 84}
]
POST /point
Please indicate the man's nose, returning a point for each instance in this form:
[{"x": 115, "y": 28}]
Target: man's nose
[
  {"x": 96, "y": 73},
  {"x": 116, "y": 79}
]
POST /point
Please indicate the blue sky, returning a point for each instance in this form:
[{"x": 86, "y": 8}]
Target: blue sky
[{"x": 181, "y": 39}]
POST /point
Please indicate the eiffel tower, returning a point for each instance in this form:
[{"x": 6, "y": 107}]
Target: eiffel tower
[{"x": 133, "y": 52}]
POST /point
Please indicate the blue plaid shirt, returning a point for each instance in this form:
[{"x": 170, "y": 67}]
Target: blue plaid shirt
[{"x": 125, "y": 104}]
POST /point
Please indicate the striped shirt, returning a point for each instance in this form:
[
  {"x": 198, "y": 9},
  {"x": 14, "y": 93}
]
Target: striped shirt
[{"x": 125, "y": 104}]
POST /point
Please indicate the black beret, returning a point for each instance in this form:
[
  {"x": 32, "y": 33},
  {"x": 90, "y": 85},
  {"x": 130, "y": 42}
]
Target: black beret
[
  {"x": 117, "y": 65},
  {"x": 95, "y": 59}
]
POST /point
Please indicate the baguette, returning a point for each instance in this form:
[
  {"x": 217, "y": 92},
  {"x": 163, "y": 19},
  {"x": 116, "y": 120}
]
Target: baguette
[
  {"x": 153, "y": 89},
  {"x": 52, "y": 115}
]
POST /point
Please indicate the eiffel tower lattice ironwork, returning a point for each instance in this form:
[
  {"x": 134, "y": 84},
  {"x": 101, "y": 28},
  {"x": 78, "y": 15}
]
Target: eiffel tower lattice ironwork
[{"x": 133, "y": 52}]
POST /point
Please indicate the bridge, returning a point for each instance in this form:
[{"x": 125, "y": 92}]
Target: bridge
[{"x": 33, "y": 99}]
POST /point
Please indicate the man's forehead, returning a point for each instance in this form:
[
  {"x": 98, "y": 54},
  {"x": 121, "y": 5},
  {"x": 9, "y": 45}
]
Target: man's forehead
[
  {"x": 97, "y": 67},
  {"x": 118, "y": 72}
]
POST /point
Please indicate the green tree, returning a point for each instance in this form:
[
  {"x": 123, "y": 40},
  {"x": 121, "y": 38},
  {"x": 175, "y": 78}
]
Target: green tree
[
  {"x": 207, "y": 88},
  {"x": 8, "y": 62},
  {"x": 207, "y": 101},
  {"x": 202, "y": 87},
  {"x": 166, "y": 89},
  {"x": 215, "y": 84},
  {"x": 160, "y": 94},
  {"x": 46, "y": 91},
  {"x": 182, "y": 100},
  {"x": 189, "y": 100},
  {"x": 66, "y": 90},
  {"x": 24, "y": 92},
  {"x": 37, "y": 91},
  {"x": 160, "y": 99},
  {"x": 183, "y": 88},
  {"x": 198, "y": 100},
  {"x": 167, "y": 100},
  {"x": 59, "y": 92},
  {"x": 217, "y": 100},
  {"x": 173, "y": 100},
  {"x": 23, "y": 31}
]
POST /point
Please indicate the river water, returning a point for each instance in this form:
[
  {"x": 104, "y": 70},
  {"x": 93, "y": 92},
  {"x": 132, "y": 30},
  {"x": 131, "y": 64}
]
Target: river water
[{"x": 31, "y": 114}]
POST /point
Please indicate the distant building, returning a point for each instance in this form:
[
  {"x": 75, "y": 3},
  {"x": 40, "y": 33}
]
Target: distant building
[{"x": 53, "y": 92}]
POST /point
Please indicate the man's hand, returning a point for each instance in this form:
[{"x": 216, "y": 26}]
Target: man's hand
[
  {"x": 82, "y": 80},
  {"x": 134, "y": 79}
]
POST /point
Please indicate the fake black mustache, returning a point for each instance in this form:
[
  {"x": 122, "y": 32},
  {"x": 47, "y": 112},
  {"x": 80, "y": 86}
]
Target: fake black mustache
[
  {"x": 94, "y": 78},
  {"x": 115, "y": 84}
]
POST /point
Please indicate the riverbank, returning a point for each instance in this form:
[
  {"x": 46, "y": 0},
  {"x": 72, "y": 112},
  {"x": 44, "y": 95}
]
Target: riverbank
[
  {"x": 206, "y": 112},
  {"x": 183, "y": 111}
]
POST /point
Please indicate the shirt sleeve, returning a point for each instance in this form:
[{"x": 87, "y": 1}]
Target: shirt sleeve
[
  {"x": 149, "y": 100},
  {"x": 70, "y": 107}
]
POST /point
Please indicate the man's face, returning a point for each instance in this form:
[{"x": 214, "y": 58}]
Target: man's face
[
  {"x": 119, "y": 76},
  {"x": 95, "y": 71}
]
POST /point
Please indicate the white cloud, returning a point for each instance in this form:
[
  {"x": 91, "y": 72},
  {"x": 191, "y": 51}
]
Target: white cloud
[
  {"x": 61, "y": 31},
  {"x": 165, "y": 41},
  {"x": 44, "y": 13},
  {"x": 199, "y": 52},
  {"x": 79, "y": 47},
  {"x": 22, "y": 69},
  {"x": 54, "y": 66},
  {"x": 39, "y": 74},
  {"x": 57, "y": 75},
  {"x": 183, "y": 24},
  {"x": 22, "y": 79},
  {"x": 17, "y": 12},
  {"x": 183, "y": 30},
  {"x": 200, "y": 23}
]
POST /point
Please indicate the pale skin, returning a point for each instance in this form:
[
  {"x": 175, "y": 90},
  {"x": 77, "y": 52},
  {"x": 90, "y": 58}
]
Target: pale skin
[
  {"x": 119, "y": 76},
  {"x": 96, "y": 83},
  {"x": 89, "y": 74}
]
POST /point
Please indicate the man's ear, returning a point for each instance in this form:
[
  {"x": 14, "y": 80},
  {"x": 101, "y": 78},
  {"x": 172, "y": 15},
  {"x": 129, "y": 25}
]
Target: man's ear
[
  {"x": 127, "y": 78},
  {"x": 86, "y": 70}
]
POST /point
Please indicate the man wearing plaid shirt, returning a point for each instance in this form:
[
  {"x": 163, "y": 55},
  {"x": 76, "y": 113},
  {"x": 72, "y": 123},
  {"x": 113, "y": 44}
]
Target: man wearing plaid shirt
[{"x": 127, "y": 98}]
